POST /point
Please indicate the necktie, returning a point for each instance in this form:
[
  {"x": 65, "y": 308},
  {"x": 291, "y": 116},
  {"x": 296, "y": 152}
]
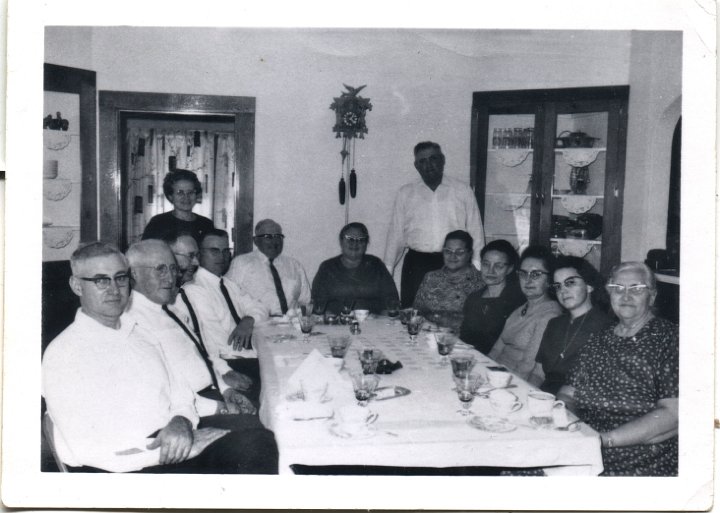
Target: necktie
[
  {"x": 231, "y": 307},
  {"x": 198, "y": 344},
  {"x": 279, "y": 289}
]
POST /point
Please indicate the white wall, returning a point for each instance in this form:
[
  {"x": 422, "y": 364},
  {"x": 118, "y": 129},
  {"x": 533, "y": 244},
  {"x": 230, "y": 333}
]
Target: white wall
[{"x": 420, "y": 84}]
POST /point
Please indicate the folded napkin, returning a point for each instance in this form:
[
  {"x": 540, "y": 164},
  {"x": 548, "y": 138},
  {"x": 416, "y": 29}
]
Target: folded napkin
[{"x": 316, "y": 375}]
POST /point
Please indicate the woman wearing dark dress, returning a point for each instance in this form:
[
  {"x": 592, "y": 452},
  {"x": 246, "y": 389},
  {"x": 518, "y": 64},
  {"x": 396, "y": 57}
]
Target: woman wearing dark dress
[
  {"x": 580, "y": 291},
  {"x": 181, "y": 188},
  {"x": 486, "y": 310},
  {"x": 353, "y": 278},
  {"x": 624, "y": 383}
]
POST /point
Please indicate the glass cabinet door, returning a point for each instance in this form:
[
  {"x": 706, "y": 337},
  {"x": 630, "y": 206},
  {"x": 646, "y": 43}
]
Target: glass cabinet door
[
  {"x": 508, "y": 183},
  {"x": 578, "y": 185}
]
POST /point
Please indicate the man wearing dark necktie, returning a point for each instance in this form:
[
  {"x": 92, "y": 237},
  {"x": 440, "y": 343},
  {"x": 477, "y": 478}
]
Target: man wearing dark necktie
[
  {"x": 156, "y": 305},
  {"x": 277, "y": 281}
]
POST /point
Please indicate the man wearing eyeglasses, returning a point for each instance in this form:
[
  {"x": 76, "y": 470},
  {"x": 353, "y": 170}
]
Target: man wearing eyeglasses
[
  {"x": 277, "y": 281},
  {"x": 425, "y": 212},
  {"x": 115, "y": 403},
  {"x": 187, "y": 337}
]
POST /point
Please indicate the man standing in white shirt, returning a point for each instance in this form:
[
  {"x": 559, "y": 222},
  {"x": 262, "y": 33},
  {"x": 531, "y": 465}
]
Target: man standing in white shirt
[
  {"x": 425, "y": 212},
  {"x": 277, "y": 281},
  {"x": 115, "y": 403},
  {"x": 157, "y": 306}
]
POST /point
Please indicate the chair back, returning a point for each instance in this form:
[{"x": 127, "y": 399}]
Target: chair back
[{"x": 49, "y": 433}]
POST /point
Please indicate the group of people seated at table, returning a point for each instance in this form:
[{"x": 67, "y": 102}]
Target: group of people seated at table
[{"x": 138, "y": 382}]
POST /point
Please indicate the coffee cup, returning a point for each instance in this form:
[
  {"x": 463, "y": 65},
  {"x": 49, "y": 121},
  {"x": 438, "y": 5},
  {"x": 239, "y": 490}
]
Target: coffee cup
[
  {"x": 504, "y": 401},
  {"x": 498, "y": 377},
  {"x": 541, "y": 404},
  {"x": 361, "y": 315},
  {"x": 339, "y": 345},
  {"x": 354, "y": 419}
]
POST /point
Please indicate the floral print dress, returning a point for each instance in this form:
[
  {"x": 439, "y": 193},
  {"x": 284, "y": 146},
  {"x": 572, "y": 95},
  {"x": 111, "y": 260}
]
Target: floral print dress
[{"x": 618, "y": 379}]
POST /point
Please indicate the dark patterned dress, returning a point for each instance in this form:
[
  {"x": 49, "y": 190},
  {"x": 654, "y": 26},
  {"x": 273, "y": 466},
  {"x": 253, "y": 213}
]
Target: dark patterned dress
[
  {"x": 444, "y": 292},
  {"x": 618, "y": 379}
]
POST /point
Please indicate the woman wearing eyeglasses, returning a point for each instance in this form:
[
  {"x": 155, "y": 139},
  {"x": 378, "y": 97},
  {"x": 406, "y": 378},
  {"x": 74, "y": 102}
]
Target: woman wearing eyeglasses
[
  {"x": 442, "y": 293},
  {"x": 353, "y": 278},
  {"x": 580, "y": 291},
  {"x": 624, "y": 383},
  {"x": 181, "y": 188},
  {"x": 486, "y": 310},
  {"x": 519, "y": 341}
]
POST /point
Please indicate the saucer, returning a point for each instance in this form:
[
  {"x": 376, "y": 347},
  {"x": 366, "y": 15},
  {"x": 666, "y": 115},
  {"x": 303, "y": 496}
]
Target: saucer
[
  {"x": 367, "y": 431},
  {"x": 492, "y": 424}
]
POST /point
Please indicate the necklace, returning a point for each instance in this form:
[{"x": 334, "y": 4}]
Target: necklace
[
  {"x": 568, "y": 343},
  {"x": 525, "y": 309},
  {"x": 627, "y": 331}
]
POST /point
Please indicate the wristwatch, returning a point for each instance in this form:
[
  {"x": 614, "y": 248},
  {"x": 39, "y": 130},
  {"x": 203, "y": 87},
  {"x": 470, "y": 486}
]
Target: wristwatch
[{"x": 609, "y": 441}]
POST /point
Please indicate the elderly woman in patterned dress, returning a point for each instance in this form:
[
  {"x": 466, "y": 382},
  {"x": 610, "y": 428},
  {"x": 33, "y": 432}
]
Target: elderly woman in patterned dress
[
  {"x": 442, "y": 293},
  {"x": 625, "y": 381}
]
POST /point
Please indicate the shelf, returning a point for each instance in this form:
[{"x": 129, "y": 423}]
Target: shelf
[
  {"x": 525, "y": 194},
  {"x": 593, "y": 242},
  {"x": 561, "y": 150},
  {"x": 596, "y": 196},
  {"x": 529, "y": 150}
]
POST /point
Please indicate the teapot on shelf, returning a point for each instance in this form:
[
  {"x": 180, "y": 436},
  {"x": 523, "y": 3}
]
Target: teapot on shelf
[{"x": 568, "y": 139}]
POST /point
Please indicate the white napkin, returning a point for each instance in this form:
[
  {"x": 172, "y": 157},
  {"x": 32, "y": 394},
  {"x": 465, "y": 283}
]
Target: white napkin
[
  {"x": 311, "y": 388},
  {"x": 229, "y": 352},
  {"x": 314, "y": 373}
]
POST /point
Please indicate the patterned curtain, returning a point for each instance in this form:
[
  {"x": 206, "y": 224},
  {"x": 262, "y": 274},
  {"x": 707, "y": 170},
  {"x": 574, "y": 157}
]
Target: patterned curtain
[{"x": 149, "y": 155}]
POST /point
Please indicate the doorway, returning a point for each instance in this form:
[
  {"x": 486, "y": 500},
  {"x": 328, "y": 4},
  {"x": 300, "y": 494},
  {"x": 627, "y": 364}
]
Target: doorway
[{"x": 122, "y": 112}]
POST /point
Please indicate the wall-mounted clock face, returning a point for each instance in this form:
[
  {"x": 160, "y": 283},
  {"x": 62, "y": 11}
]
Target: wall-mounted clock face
[{"x": 350, "y": 119}]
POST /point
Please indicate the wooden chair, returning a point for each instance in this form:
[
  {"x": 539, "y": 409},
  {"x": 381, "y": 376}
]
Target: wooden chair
[{"x": 48, "y": 432}]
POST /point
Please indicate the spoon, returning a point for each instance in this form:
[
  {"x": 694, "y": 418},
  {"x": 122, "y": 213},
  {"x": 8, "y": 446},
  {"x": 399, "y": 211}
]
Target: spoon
[{"x": 573, "y": 426}]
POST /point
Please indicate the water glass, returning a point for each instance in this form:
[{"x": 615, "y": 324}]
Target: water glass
[
  {"x": 466, "y": 388},
  {"x": 364, "y": 386},
  {"x": 462, "y": 364},
  {"x": 413, "y": 327}
]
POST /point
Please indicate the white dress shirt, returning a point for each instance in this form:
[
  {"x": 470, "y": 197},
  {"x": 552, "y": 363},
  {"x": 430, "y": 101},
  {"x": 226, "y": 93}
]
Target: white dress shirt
[
  {"x": 213, "y": 311},
  {"x": 251, "y": 272},
  {"x": 182, "y": 355},
  {"x": 422, "y": 218},
  {"x": 107, "y": 390}
]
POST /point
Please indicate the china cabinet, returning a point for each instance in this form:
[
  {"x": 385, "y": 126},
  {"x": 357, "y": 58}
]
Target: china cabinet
[{"x": 548, "y": 168}]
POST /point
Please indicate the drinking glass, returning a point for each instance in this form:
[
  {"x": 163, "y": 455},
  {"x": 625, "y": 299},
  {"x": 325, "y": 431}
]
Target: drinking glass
[
  {"x": 369, "y": 359},
  {"x": 466, "y": 388},
  {"x": 339, "y": 345},
  {"x": 393, "y": 308},
  {"x": 413, "y": 327},
  {"x": 306, "y": 325},
  {"x": 345, "y": 313},
  {"x": 364, "y": 386},
  {"x": 462, "y": 364},
  {"x": 445, "y": 344}
]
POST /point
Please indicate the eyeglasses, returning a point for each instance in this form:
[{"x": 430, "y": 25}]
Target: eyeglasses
[
  {"x": 218, "y": 251},
  {"x": 191, "y": 256},
  {"x": 161, "y": 270},
  {"x": 568, "y": 283},
  {"x": 271, "y": 236},
  {"x": 533, "y": 275},
  {"x": 185, "y": 194},
  {"x": 352, "y": 238},
  {"x": 633, "y": 290},
  {"x": 454, "y": 252},
  {"x": 103, "y": 282}
]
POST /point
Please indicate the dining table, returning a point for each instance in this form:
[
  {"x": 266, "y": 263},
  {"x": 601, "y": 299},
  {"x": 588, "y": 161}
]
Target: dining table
[{"x": 422, "y": 428}]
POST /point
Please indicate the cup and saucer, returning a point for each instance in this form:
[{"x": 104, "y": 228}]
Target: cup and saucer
[{"x": 354, "y": 422}]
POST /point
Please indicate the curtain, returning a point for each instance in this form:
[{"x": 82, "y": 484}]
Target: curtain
[{"x": 213, "y": 161}]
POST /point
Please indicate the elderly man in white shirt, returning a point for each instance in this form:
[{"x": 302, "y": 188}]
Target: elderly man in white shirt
[
  {"x": 115, "y": 403},
  {"x": 425, "y": 212},
  {"x": 156, "y": 305},
  {"x": 277, "y": 281}
]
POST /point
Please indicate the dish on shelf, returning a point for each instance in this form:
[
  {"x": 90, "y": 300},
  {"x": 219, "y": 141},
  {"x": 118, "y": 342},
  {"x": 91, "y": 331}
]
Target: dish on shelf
[
  {"x": 58, "y": 237},
  {"x": 578, "y": 204},
  {"x": 575, "y": 247},
  {"x": 512, "y": 157},
  {"x": 56, "y": 189},
  {"x": 579, "y": 157},
  {"x": 56, "y": 139}
]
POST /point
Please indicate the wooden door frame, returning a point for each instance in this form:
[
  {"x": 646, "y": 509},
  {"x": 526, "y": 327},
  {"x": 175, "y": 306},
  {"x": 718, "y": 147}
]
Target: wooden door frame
[{"x": 114, "y": 104}]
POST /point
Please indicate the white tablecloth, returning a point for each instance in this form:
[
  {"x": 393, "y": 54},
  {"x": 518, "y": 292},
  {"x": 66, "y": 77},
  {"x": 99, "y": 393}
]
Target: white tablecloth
[{"x": 422, "y": 429}]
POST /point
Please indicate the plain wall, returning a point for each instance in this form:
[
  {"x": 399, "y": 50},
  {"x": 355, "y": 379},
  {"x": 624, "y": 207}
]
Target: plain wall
[{"x": 420, "y": 84}]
